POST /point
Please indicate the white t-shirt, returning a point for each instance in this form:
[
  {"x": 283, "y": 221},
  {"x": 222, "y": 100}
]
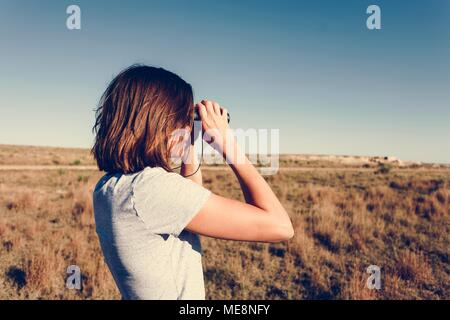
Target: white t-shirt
[{"x": 140, "y": 220}]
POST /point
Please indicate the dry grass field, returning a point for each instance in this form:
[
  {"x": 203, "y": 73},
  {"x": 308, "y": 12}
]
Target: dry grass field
[{"x": 396, "y": 217}]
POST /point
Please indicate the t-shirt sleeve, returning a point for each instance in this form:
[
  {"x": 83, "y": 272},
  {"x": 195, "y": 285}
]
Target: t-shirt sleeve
[{"x": 166, "y": 201}]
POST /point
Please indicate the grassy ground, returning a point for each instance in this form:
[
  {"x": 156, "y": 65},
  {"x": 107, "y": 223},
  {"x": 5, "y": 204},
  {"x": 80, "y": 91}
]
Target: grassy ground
[{"x": 344, "y": 222}]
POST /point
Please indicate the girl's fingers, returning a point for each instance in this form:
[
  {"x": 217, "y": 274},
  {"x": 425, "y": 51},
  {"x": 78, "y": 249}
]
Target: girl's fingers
[
  {"x": 216, "y": 108},
  {"x": 209, "y": 106},
  {"x": 225, "y": 112},
  {"x": 202, "y": 110}
]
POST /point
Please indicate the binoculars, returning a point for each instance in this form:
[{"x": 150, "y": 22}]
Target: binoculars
[
  {"x": 198, "y": 118},
  {"x": 197, "y": 127}
]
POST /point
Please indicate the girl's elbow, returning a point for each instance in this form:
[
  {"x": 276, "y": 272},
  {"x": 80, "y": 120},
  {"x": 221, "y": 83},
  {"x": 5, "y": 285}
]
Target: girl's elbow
[
  {"x": 288, "y": 233},
  {"x": 283, "y": 233},
  {"x": 291, "y": 233},
  {"x": 275, "y": 229}
]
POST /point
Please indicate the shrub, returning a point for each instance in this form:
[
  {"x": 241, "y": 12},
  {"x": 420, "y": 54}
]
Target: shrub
[{"x": 384, "y": 168}]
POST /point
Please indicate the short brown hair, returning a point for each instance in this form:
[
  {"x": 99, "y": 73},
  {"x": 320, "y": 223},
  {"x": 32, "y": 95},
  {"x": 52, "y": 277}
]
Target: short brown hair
[{"x": 136, "y": 115}]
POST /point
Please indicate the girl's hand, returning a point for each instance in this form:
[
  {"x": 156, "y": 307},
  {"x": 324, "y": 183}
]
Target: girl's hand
[{"x": 214, "y": 123}]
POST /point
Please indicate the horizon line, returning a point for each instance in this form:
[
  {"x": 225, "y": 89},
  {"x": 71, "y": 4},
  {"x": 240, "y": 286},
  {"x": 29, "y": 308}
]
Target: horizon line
[{"x": 280, "y": 154}]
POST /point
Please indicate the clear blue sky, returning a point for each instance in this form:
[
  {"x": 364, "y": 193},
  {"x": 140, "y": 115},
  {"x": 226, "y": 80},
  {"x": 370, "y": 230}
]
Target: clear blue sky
[{"x": 310, "y": 68}]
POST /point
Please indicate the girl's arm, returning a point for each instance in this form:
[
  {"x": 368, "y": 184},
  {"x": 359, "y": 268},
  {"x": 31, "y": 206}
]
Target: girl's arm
[{"x": 261, "y": 217}]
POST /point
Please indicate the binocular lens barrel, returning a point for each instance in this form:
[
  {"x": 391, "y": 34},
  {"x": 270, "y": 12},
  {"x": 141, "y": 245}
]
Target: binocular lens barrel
[{"x": 198, "y": 118}]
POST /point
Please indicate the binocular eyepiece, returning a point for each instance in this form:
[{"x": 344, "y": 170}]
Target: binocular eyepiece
[{"x": 198, "y": 118}]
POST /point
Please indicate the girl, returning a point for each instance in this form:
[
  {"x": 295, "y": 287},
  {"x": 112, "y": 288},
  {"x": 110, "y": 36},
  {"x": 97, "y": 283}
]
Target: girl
[{"x": 148, "y": 217}]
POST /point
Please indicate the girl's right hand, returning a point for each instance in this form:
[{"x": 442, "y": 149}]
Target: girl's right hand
[{"x": 214, "y": 123}]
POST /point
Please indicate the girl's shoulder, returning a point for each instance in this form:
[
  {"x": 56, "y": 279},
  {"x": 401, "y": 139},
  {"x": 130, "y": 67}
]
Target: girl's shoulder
[
  {"x": 155, "y": 179},
  {"x": 125, "y": 178}
]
